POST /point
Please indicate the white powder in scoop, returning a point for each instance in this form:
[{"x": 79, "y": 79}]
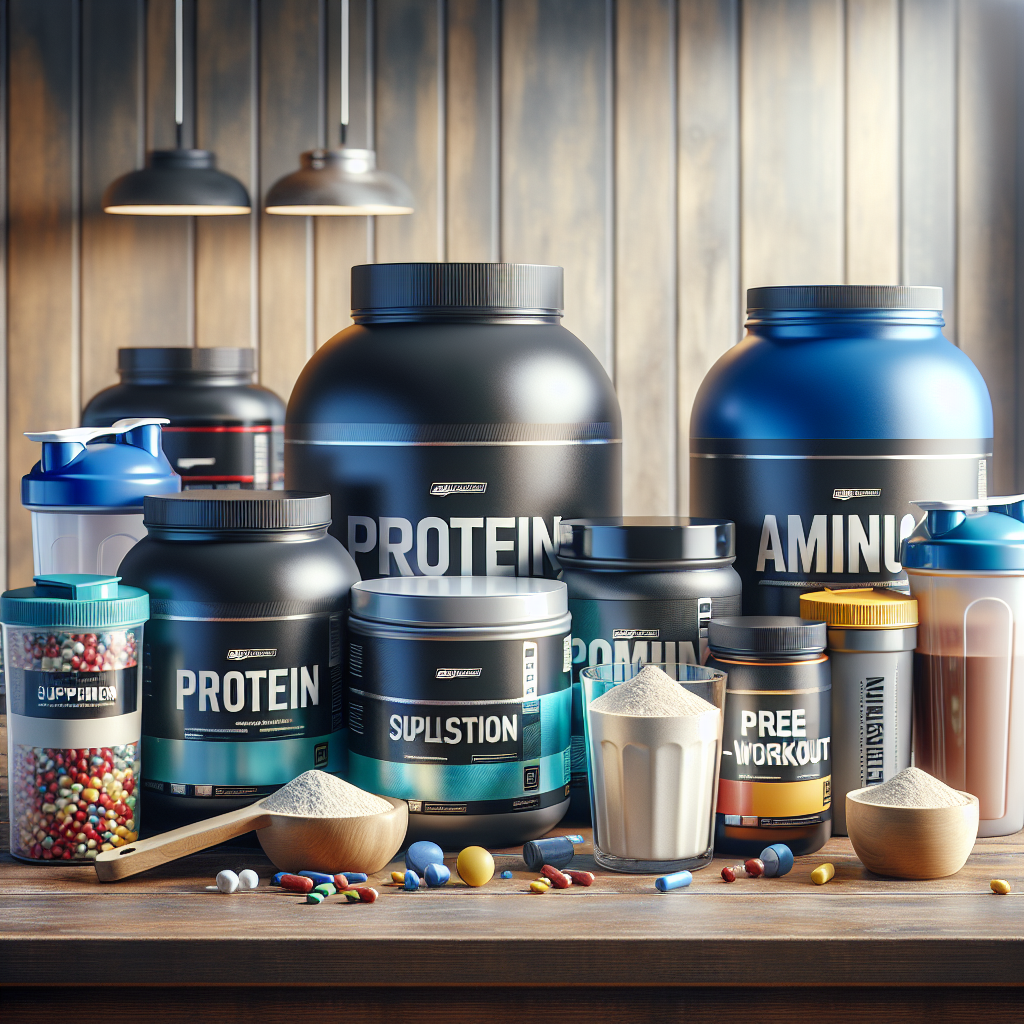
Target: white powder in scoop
[
  {"x": 913, "y": 788},
  {"x": 319, "y": 795},
  {"x": 651, "y": 693}
]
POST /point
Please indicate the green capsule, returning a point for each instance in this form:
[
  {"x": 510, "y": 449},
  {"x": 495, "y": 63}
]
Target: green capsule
[
  {"x": 314, "y": 897},
  {"x": 327, "y": 888},
  {"x": 351, "y": 896}
]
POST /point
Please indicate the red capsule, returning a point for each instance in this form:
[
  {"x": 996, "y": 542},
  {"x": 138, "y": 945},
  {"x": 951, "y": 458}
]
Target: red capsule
[
  {"x": 728, "y": 874},
  {"x": 558, "y": 880},
  {"x": 581, "y": 877},
  {"x": 754, "y": 867},
  {"x": 366, "y": 894},
  {"x": 296, "y": 883},
  {"x": 341, "y": 883}
]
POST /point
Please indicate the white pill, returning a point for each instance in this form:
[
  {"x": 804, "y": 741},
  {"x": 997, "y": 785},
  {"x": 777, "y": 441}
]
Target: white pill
[
  {"x": 227, "y": 881},
  {"x": 248, "y": 879}
]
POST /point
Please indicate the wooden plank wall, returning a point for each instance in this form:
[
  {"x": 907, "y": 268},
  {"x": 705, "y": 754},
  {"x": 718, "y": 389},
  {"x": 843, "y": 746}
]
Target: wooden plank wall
[{"x": 669, "y": 153}]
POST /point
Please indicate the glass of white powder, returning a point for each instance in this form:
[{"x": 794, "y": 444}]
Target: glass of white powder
[{"x": 654, "y": 742}]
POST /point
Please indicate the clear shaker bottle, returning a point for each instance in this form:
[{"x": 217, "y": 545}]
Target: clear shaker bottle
[{"x": 965, "y": 561}]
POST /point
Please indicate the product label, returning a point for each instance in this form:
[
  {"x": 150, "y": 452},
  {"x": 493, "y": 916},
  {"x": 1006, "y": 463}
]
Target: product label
[
  {"x": 236, "y": 702},
  {"x": 455, "y": 499},
  {"x": 830, "y": 513},
  {"x": 249, "y": 457},
  {"x": 776, "y": 755},
  {"x": 459, "y": 726},
  {"x": 74, "y": 695}
]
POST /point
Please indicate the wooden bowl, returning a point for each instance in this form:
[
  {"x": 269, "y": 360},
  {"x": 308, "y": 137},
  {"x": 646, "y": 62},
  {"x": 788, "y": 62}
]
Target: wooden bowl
[
  {"x": 297, "y": 843},
  {"x": 911, "y": 842}
]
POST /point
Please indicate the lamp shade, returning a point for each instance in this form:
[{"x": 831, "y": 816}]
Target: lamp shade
[
  {"x": 177, "y": 183},
  {"x": 339, "y": 183}
]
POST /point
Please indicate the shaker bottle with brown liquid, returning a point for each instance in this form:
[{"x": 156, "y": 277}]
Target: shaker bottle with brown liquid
[{"x": 965, "y": 562}]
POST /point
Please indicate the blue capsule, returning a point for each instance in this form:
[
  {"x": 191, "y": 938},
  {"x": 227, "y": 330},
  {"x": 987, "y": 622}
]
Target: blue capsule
[
  {"x": 276, "y": 880},
  {"x": 319, "y": 878},
  {"x": 352, "y": 877},
  {"x": 420, "y": 854},
  {"x": 678, "y": 880},
  {"x": 777, "y": 859},
  {"x": 412, "y": 881},
  {"x": 506, "y": 874},
  {"x": 436, "y": 875}
]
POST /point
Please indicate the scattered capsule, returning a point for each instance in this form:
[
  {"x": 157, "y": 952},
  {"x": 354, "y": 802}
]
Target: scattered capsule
[
  {"x": 212, "y": 888},
  {"x": 754, "y": 867},
  {"x": 777, "y": 860},
  {"x": 351, "y": 895},
  {"x": 543, "y": 881},
  {"x": 420, "y": 854},
  {"x": 558, "y": 880},
  {"x": 248, "y": 879},
  {"x": 728, "y": 874},
  {"x": 276, "y": 880},
  {"x": 314, "y": 897},
  {"x": 581, "y": 877},
  {"x": 296, "y": 883},
  {"x": 325, "y": 889},
  {"x": 558, "y": 851},
  {"x": 365, "y": 893},
  {"x": 227, "y": 881},
  {"x": 506, "y": 874},
  {"x": 398, "y": 876},
  {"x": 341, "y": 883},
  {"x": 352, "y": 877},
  {"x": 677, "y": 880},
  {"x": 475, "y": 866},
  {"x": 822, "y": 873},
  {"x": 317, "y": 876},
  {"x": 539, "y": 887},
  {"x": 411, "y": 881},
  {"x": 436, "y": 875},
  {"x": 1001, "y": 886}
]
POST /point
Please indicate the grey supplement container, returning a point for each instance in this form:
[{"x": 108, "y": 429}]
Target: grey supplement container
[
  {"x": 242, "y": 668},
  {"x": 641, "y": 590},
  {"x": 872, "y": 634},
  {"x": 775, "y": 784},
  {"x": 458, "y": 701}
]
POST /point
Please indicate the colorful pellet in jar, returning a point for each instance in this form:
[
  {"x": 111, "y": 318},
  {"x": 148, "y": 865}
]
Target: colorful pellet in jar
[
  {"x": 72, "y": 652},
  {"x": 69, "y": 804}
]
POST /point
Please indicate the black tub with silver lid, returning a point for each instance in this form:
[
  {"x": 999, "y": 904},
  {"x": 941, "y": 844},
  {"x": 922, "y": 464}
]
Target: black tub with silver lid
[
  {"x": 641, "y": 589},
  {"x": 459, "y": 702}
]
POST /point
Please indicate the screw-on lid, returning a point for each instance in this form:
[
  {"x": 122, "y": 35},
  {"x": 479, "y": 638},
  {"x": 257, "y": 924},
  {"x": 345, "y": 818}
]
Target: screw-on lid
[
  {"x": 143, "y": 364},
  {"x": 79, "y": 472},
  {"x": 863, "y": 608},
  {"x": 844, "y": 296},
  {"x": 976, "y": 535},
  {"x": 678, "y": 540},
  {"x": 461, "y": 288},
  {"x": 767, "y": 634},
  {"x": 459, "y": 600},
  {"x": 238, "y": 510},
  {"x": 75, "y": 601}
]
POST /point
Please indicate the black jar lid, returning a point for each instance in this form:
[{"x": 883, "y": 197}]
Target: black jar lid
[
  {"x": 142, "y": 364},
  {"x": 237, "y": 510},
  {"x": 767, "y": 634},
  {"x": 628, "y": 540},
  {"x": 484, "y": 289}
]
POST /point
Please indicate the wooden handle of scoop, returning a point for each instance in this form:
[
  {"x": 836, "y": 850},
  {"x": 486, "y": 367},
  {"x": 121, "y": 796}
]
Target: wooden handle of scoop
[{"x": 133, "y": 858}]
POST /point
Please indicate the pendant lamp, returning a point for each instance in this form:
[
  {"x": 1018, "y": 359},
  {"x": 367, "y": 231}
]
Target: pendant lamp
[
  {"x": 177, "y": 182},
  {"x": 340, "y": 182}
]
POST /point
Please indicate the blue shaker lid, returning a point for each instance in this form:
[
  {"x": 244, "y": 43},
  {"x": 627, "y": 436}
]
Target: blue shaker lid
[
  {"x": 77, "y": 471},
  {"x": 983, "y": 535},
  {"x": 75, "y": 600}
]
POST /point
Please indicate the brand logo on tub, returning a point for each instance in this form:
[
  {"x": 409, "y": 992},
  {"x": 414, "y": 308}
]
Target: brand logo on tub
[
  {"x": 846, "y": 493},
  {"x": 472, "y": 545},
  {"x": 252, "y": 652},
  {"x": 443, "y": 490},
  {"x": 832, "y": 544},
  {"x": 457, "y": 673},
  {"x": 635, "y": 634}
]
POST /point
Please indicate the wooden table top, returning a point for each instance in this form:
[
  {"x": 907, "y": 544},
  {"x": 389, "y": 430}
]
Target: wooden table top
[{"x": 858, "y": 929}]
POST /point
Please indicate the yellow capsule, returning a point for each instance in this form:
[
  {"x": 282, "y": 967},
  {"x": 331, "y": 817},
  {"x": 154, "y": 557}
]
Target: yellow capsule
[
  {"x": 543, "y": 881},
  {"x": 539, "y": 887},
  {"x": 398, "y": 876},
  {"x": 1001, "y": 886},
  {"x": 822, "y": 873}
]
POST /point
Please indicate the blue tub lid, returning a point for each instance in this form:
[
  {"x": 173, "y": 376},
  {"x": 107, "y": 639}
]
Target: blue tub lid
[
  {"x": 75, "y": 601},
  {"x": 983, "y": 535},
  {"x": 99, "y": 467}
]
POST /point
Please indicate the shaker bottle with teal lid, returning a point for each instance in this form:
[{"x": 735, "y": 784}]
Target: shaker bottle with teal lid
[
  {"x": 965, "y": 561},
  {"x": 86, "y": 491},
  {"x": 72, "y": 646}
]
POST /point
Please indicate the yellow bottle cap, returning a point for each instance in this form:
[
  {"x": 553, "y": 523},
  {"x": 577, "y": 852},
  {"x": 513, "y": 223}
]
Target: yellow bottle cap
[{"x": 866, "y": 608}]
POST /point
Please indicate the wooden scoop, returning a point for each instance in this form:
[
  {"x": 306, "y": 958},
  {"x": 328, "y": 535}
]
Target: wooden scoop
[{"x": 292, "y": 841}]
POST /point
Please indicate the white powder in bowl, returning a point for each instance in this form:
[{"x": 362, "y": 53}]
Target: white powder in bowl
[
  {"x": 319, "y": 795},
  {"x": 913, "y": 788},
  {"x": 651, "y": 693}
]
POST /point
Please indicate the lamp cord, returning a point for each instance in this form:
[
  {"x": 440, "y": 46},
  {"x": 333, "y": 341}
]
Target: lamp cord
[
  {"x": 179, "y": 68},
  {"x": 344, "y": 68}
]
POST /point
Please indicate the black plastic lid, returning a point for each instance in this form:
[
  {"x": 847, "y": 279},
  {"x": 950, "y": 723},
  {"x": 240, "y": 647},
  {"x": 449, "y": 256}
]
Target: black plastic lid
[
  {"x": 767, "y": 634},
  {"x": 647, "y": 539},
  {"x": 238, "y": 510},
  {"x": 844, "y": 296},
  {"x": 142, "y": 363},
  {"x": 487, "y": 289}
]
